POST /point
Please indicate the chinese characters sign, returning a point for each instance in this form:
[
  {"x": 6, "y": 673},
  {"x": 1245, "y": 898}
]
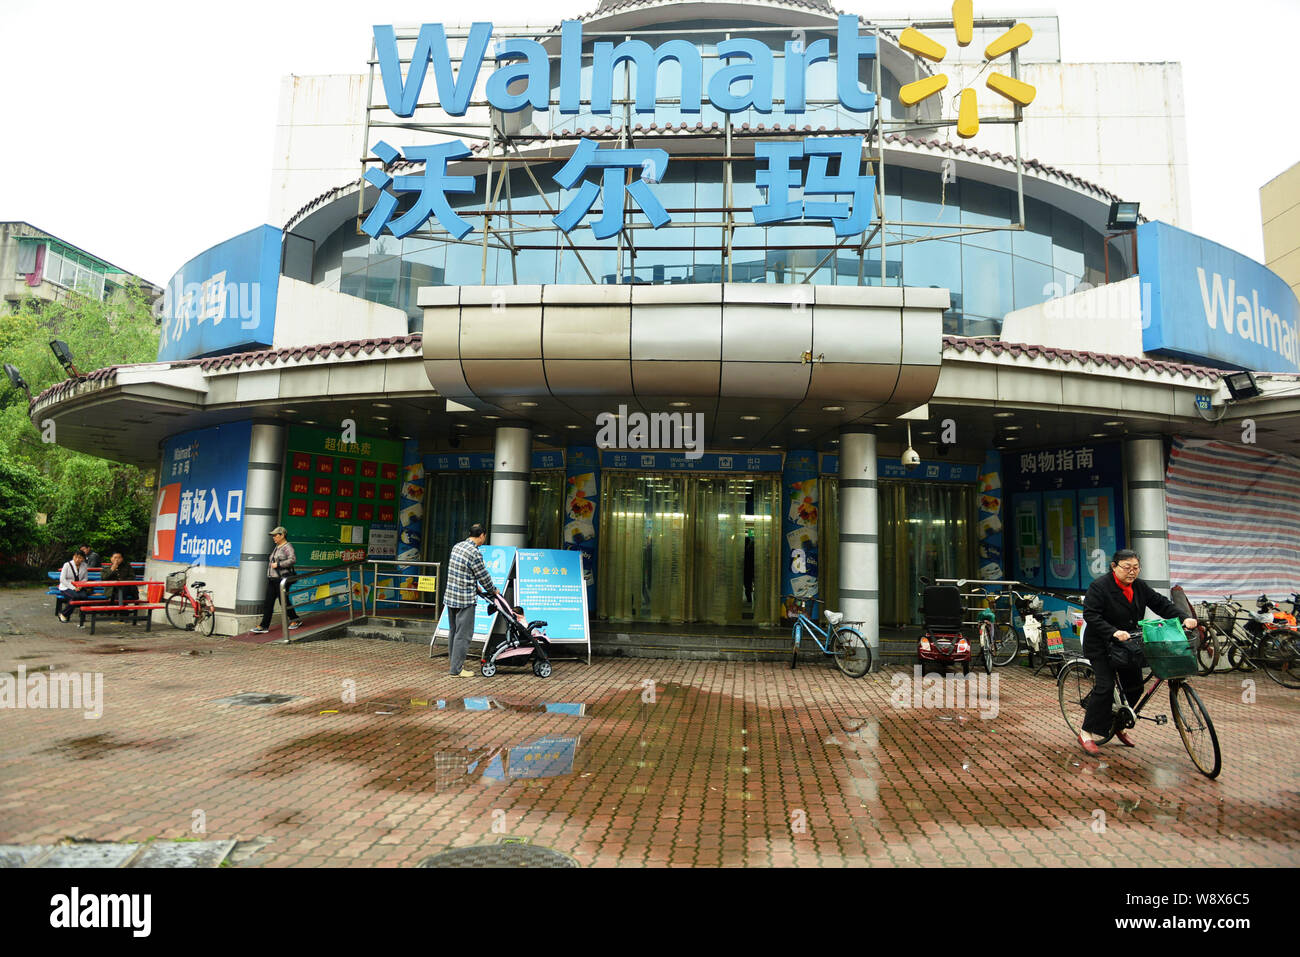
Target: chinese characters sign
[
  {"x": 335, "y": 491},
  {"x": 199, "y": 513},
  {"x": 550, "y": 588}
]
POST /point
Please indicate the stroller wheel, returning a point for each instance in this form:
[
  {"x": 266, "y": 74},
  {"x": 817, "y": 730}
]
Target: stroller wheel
[
  {"x": 542, "y": 669},
  {"x": 488, "y": 669}
]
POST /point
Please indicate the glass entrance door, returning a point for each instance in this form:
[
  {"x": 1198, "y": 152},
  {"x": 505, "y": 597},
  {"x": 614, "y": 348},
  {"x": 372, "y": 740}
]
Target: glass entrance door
[{"x": 678, "y": 548}]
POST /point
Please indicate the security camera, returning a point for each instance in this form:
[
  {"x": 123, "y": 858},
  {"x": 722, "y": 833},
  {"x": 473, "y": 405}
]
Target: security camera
[{"x": 910, "y": 458}]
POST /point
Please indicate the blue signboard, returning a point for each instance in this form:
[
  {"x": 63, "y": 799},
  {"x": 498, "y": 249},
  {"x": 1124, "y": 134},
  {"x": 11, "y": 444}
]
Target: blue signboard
[
  {"x": 223, "y": 300},
  {"x": 1210, "y": 304},
  {"x": 543, "y": 758},
  {"x": 928, "y": 470},
  {"x": 1027, "y": 550},
  {"x": 483, "y": 461},
  {"x": 678, "y": 462},
  {"x": 549, "y": 586},
  {"x": 799, "y": 525},
  {"x": 499, "y": 561},
  {"x": 199, "y": 513}
]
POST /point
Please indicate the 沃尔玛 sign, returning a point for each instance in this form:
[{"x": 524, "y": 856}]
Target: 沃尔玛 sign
[{"x": 223, "y": 299}]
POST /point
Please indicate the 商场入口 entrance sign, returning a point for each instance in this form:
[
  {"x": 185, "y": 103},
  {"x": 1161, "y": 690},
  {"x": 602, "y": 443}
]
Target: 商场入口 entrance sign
[
  {"x": 527, "y": 60},
  {"x": 742, "y": 77}
]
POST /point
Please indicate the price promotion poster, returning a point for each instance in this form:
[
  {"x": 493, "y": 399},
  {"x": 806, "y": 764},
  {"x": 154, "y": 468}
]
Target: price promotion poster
[
  {"x": 500, "y": 562},
  {"x": 549, "y": 586}
]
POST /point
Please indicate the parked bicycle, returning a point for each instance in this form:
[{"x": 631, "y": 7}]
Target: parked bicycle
[
  {"x": 845, "y": 644},
  {"x": 1029, "y": 635},
  {"x": 1077, "y": 679},
  {"x": 190, "y": 610},
  {"x": 1265, "y": 639}
]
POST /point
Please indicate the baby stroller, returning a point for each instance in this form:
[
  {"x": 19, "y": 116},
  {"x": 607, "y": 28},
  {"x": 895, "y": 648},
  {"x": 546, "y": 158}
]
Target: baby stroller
[
  {"x": 522, "y": 643},
  {"x": 942, "y": 642}
]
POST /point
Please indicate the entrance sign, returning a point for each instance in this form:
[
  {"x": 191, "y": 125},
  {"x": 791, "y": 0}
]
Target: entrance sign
[
  {"x": 199, "y": 512},
  {"x": 549, "y": 587}
]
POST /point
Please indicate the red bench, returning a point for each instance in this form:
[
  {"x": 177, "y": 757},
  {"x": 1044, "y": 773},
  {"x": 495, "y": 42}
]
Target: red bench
[{"x": 132, "y": 612}]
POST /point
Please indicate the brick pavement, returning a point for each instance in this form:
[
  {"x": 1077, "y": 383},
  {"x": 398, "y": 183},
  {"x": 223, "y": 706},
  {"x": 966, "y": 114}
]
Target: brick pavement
[{"x": 729, "y": 764}]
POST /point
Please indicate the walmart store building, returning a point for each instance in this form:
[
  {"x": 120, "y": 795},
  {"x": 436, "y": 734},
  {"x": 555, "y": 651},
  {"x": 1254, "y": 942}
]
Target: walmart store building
[{"x": 805, "y": 232}]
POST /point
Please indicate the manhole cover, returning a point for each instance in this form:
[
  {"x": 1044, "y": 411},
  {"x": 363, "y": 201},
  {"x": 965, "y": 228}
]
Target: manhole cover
[
  {"x": 499, "y": 855},
  {"x": 257, "y": 697}
]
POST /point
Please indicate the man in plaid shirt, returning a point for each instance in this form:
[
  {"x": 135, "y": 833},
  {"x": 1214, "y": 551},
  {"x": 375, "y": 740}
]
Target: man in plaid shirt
[{"x": 464, "y": 571}]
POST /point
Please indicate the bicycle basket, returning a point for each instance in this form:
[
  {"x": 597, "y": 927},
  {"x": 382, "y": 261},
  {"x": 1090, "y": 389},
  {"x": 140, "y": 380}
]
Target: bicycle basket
[
  {"x": 1224, "y": 618},
  {"x": 1168, "y": 652},
  {"x": 175, "y": 583}
]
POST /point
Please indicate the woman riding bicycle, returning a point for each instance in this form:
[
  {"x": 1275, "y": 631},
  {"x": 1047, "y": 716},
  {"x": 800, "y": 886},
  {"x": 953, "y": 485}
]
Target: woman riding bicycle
[{"x": 1111, "y": 610}]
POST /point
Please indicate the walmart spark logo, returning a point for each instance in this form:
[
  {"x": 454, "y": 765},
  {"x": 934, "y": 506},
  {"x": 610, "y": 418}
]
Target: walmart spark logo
[{"x": 963, "y": 21}]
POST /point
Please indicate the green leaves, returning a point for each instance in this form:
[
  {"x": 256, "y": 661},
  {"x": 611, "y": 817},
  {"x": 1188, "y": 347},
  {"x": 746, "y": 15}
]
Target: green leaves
[{"x": 86, "y": 499}]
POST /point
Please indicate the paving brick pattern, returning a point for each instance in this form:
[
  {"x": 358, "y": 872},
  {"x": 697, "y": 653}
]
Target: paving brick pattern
[{"x": 678, "y": 763}]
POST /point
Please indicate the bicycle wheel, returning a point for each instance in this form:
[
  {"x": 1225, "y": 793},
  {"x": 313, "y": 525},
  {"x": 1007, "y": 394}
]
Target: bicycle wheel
[
  {"x": 1195, "y": 728},
  {"x": 1074, "y": 686},
  {"x": 986, "y": 646},
  {"x": 1006, "y": 646},
  {"x": 1207, "y": 649},
  {"x": 1238, "y": 660},
  {"x": 851, "y": 651},
  {"x": 208, "y": 623},
  {"x": 180, "y": 612},
  {"x": 1278, "y": 657}
]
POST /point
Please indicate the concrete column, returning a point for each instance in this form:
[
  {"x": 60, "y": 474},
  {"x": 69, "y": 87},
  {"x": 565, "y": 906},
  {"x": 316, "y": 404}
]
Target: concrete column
[
  {"x": 1148, "y": 522},
  {"x": 261, "y": 514},
  {"x": 860, "y": 533},
  {"x": 510, "y": 468}
]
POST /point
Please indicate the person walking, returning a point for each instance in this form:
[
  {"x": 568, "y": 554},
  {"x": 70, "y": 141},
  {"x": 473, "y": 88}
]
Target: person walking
[
  {"x": 465, "y": 571},
  {"x": 74, "y": 570},
  {"x": 1111, "y": 610},
  {"x": 280, "y": 565}
]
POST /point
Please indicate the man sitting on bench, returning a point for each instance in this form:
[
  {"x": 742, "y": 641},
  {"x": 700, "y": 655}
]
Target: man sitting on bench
[{"x": 119, "y": 570}]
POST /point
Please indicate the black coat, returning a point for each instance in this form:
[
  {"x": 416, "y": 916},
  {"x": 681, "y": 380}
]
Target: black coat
[{"x": 1106, "y": 611}]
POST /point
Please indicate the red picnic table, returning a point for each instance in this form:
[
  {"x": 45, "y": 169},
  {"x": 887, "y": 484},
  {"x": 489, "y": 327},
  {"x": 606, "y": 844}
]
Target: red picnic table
[{"x": 153, "y": 601}]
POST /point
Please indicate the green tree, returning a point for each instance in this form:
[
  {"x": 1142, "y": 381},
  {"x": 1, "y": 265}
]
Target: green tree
[{"x": 87, "y": 499}]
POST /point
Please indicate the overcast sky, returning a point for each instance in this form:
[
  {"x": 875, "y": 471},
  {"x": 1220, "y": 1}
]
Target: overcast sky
[{"x": 144, "y": 133}]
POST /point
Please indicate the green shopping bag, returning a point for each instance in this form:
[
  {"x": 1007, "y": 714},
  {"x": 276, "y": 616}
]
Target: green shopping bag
[{"x": 1168, "y": 652}]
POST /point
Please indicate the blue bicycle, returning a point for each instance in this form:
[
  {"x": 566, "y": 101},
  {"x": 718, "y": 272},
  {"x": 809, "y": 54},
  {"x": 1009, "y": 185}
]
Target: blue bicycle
[{"x": 846, "y": 645}]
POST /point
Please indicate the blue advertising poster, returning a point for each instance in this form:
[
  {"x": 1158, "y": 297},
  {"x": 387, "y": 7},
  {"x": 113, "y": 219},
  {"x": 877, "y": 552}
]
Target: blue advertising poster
[
  {"x": 223, "y": 300},
  {"x": 1098, "y": 533},
  {"x": 1027, "y": 544},
  {"x": 499, "y": 561},
  {"x": 1213, "y": 305},
  {"x": 799, "y": 526},
  {"x": 199, "y": 512},
  {"x": 990, "y": 518},
  {"x": 581, "y": 502},
  {"x": 549, "y": 586},
  {"x": 1059, "y": 514}
]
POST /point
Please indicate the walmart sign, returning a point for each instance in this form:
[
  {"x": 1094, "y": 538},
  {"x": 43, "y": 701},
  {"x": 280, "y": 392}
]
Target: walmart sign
[
  {"x": 742, "y": 78},
  {"x": 1214, "y": 305},
  {"x": 528, "y": 61}
]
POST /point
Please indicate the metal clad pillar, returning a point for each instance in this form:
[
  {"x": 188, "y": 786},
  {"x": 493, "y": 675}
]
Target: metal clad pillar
[
  {"x": 860, "y": 533},
  {"x": 261, "y": 514},
  {"x": 510, "y": 468},
  {"x": 1148, "y": 522}
]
